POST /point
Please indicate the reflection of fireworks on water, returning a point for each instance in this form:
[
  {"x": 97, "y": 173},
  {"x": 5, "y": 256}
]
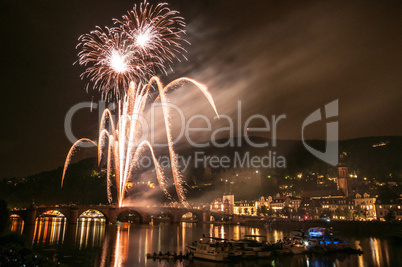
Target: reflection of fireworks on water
[
  {"x": 142, "y": 42},
  {"x": 122, "y": 142}
]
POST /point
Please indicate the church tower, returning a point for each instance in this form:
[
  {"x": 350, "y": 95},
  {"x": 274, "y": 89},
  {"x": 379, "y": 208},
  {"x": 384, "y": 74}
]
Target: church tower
[
  {"x": 228, "y": 199},
  {"x": 343, "y": 177}
]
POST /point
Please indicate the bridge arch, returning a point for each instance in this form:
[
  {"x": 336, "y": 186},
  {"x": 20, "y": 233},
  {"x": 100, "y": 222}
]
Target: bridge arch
[
  {"x": 216, "y": 217},
  {"x": 130, "y": 216},
  {"x": 93, "y": 214},
  {"x": 162, "y": 217},
  {"x": 15, "y": 216},
  {"x": 189, "y": 217},
  {"x": 52, "y": 213}
]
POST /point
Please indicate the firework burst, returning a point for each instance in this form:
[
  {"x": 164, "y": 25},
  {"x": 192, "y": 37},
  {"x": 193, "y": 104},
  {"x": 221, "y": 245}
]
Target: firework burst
[
  {"x": 119, "y": 61},
  {"x": 123, "y": 143},
  {"x": 109, "y": 61},
  {"x": 155, "y": 31},
  {"x": 144, "y": 41}
]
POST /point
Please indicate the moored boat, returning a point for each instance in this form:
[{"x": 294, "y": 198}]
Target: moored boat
[
  {"x": 317, "y": 232},
  {"x": 294, "y": 245},
  {"x": 322, "y": 239},
  {"x": 213, "y": 249},
  {"x": 252, "y": 248}
]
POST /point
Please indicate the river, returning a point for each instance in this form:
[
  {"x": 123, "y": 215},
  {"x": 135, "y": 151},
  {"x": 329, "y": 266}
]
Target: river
[{"x": 92, "y": 242}]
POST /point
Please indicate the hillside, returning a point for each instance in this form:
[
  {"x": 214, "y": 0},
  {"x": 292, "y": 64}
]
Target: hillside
[{"x": 373, "y": 160}]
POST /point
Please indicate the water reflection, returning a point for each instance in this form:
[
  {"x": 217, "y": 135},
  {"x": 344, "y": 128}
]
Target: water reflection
[
  {"x": 49, "y": 230},
  {"x": 16, "y": 224},
  {"x": 235, "y": 232},
  {"x": 122, "y": 245},
  {"x": 133, "y": 242},
  {"x": 90, "y": 232},
  {"x": 276, "y": 235},
  {"x": 100, "y": 244},
  {"x": 379, "y": 252}
]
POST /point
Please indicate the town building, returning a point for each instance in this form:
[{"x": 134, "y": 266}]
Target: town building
[
  {"x": 280, "y": 202},
  {"x": 262, "y": 201},
  {"x": 343, "y": 183},
  {"x": 309, "y": 208},
  {"x": 216, "y": 205},
  {"x": 245, "y": 207},
  {"x": 388, "y": 204},
  {"x": 228, "y": 203},
  {"x": 366, "y": 203}
]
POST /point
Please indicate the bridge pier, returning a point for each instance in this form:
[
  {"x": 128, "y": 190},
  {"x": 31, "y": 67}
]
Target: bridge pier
[
  {"x": 72, "y": 218},
  {"x": 146, "y": 218},
  {"x": 205, "y": 216},
  {"x": 31, "y": 215},
  {"x": 176, "y": 217},
  {"x": 112, "y": 214}
]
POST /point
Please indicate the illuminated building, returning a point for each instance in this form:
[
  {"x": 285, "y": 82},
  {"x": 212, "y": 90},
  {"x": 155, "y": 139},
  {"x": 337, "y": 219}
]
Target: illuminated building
[
  {"x": 216, "y": 205},
  {"x": 228, "y": 204},
  {"x": 262, "y": 201},
  {"x": 245, "y": 207},
  {"x": 343, "y": 177},
  {"x": 386, "y": 204},
  {"x": 366, "y": 203}
]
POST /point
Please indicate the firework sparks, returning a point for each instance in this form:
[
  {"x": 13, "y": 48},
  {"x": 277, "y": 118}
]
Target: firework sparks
[
  {"x": 110, "y": 62},
  {"x": 141, "y": 43},
  {"x": 118, "y": 62},
  {"x": 155, "y": 31},
  {"x": 145, "y": 40},
  {"x": 123, "y": 149}
]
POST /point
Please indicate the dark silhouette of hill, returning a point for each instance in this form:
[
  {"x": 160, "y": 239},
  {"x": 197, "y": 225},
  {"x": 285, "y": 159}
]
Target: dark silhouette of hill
[{"x": 375, "y": 158}]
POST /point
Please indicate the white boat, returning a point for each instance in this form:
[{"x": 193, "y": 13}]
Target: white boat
[{"x": 210, "y": 249}]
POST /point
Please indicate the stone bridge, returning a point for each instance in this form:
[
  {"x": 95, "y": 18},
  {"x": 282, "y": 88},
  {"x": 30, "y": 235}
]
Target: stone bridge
[{"x": 111, "y": 213}]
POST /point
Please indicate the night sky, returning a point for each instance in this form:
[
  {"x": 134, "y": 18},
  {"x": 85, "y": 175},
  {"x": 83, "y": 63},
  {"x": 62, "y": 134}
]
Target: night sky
[{"x": 277, "y": 57}]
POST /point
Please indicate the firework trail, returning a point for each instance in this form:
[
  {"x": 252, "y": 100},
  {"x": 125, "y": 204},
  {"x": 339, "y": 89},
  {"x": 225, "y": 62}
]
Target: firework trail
[
  {"x": 124, "y": 145},
  {"x": 145, "y": 40},
  {"x": 71, "y": 153}
]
